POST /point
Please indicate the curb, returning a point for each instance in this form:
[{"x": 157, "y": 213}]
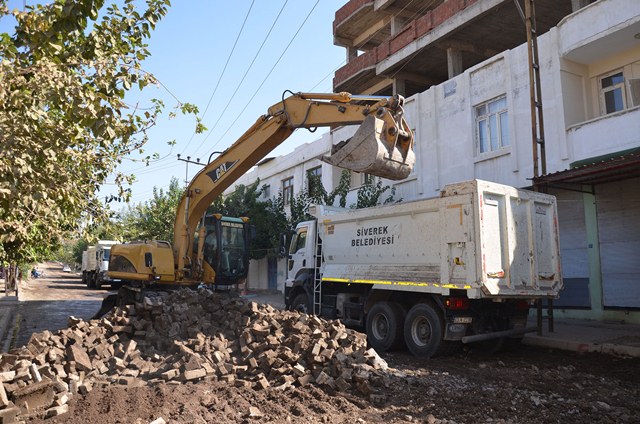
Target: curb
[{"x": 582, "y": 347}]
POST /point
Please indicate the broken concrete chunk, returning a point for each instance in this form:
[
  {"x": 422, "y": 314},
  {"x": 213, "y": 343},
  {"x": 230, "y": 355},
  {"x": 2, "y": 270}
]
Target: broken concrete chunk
[
  {"x": 79, "y": 356},
  {"x": 4, "y": 400}
]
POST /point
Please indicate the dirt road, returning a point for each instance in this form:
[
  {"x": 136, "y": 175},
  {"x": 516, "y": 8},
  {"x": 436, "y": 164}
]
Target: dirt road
[{"x": 524, "y": 386}]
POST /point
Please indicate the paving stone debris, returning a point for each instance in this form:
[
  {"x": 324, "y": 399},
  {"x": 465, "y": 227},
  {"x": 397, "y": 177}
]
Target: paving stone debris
[{"x": 185, "y": 336}]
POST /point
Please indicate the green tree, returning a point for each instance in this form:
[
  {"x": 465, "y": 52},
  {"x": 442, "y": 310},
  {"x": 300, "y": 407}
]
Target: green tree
[
  {"x": 370, "y": 192},
  {"x": 267, "y": 217},
  {"x": 64, "y": 123},
  {"x": 368, "y": 195},
  {"x": 316, "y": 193},
  {"x": 153, "y": 219}
]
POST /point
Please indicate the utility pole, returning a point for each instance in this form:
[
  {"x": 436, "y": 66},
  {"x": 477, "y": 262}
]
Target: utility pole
[
  {"x": 537, "y": 124},
  {"x": 187, "y": 161}
]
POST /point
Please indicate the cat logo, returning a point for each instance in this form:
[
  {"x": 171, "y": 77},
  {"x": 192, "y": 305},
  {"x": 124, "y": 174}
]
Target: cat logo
[{"x": 217, "y": 173}]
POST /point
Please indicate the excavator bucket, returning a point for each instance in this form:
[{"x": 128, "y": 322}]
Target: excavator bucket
[{"x": 376, "y": 148}]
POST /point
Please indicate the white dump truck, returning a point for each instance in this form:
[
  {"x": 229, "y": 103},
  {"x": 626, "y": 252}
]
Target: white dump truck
[
  {"x": 434, "y": 273},
  {"x": 95, "y": 264}
]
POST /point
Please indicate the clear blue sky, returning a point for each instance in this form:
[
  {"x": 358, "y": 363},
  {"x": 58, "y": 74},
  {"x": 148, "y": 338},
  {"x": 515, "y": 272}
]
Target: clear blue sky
[{"x": 189, "y": 49}]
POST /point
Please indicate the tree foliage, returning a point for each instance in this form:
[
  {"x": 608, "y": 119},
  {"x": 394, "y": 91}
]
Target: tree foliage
[
  {"x": 153, "y": 219},
  {"x": 371, "y": 191},
  {"x": 64, "y": 123},
  {"x": 267, "y": 216},
  {"x": 368, "y": 195},
  {"x": 316, "y": 193}
]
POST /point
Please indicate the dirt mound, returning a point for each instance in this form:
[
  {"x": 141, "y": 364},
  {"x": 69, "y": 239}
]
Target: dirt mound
[{"x": 186, "y": 336}]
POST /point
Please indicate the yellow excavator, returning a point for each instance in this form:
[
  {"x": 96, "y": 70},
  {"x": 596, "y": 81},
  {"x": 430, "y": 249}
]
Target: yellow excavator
[{"x": 213, "y": 249}]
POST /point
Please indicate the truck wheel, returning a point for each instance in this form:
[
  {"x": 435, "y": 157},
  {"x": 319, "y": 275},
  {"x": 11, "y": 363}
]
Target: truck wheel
[
  {"x": 91, "y": 282},
  {"x": 300, "y": 303},
  {"x": 384, "y": 326},
  {"x": 423, "y": 330}
]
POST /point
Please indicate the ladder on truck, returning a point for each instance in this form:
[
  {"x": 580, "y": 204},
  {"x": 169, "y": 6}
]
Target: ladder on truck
[{"x": 317, "y": 275}]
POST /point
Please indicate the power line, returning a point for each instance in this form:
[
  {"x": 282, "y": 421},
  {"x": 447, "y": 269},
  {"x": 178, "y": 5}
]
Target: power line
[
  {"x": 223, "y": 71},
  {"x": 294, "y": 36},
  {"x": 265, "y": 78},
  {"x": 245, "y": 74}
]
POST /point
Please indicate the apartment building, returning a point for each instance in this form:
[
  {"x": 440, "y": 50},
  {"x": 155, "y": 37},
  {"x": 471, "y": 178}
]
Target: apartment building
[{"x": 463, "y": 66}]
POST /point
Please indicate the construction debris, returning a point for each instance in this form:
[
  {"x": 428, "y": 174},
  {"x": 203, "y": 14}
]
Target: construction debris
[{"x": 186, "y": 336}]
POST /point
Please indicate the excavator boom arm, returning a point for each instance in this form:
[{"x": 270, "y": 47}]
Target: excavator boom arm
[{"x": 386, "y": 142}]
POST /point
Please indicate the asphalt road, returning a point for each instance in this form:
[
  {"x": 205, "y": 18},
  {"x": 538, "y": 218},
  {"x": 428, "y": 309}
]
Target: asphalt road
[{"x": 48, "y": 301}]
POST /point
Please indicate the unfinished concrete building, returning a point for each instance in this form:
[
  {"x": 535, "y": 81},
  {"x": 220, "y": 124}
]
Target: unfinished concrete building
[{"x": 406, "y": 46}]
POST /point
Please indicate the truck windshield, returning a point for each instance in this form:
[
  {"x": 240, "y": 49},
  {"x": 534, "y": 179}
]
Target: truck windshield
[{"x": 106, "y": 253}]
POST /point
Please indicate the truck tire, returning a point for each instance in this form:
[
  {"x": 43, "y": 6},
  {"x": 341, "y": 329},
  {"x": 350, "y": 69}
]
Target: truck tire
[
  {"x": 385, "y": 321},
  {"x": 301, "y": 303},
  {"x": 423, "y": 331},
  {"x": 91, "y": 282}
]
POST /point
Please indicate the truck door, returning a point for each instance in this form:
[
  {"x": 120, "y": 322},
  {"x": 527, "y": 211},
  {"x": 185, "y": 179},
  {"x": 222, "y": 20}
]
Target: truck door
[{"x": 300, "y": 254}]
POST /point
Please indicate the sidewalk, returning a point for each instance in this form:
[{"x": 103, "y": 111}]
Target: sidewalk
[
  {"x": 8, "y": 315},
  {"x": 589, "y": 336}
]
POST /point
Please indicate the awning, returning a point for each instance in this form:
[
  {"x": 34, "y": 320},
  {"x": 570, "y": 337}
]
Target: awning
[{"x": 597, "y": 170}]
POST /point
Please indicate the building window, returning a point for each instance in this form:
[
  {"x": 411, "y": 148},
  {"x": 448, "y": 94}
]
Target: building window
[
  {"x": 492, "y": 125},
  {"x": 612, "y": 98},
  {"x": 314, "y": 175},
  {"x": 287, "y": 190},
  {"x": 266, "y": 191}
]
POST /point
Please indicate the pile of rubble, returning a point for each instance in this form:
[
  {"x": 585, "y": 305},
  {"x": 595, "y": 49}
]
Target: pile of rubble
[{"x": 185, "y": 336}]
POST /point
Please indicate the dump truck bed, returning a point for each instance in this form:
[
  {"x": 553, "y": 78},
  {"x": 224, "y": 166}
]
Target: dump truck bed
[{"x": 489, "y": 239}]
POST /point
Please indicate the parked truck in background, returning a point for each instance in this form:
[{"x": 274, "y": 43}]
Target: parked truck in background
[
  {"x": 95, "y": 264},
  {"x": 432, "y": 273}
]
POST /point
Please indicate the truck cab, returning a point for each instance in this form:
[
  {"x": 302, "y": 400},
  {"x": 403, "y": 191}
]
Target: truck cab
[
  {"x": 300, "y": 267},
  {"x": 95, "y": 264}
]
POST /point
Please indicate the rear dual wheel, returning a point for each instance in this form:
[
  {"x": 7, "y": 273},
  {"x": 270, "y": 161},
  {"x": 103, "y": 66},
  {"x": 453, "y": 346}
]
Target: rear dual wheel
[
  {"x": 385, "y": 321},
  {"x": 91, "y": 282},
  {"x": 424, "y": 331}
]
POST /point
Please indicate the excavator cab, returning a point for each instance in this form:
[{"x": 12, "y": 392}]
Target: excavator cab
[{"x": 225, "y": 249}]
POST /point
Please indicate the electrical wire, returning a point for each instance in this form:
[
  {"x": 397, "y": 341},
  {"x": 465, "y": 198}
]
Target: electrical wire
[
  {"x": 223, "y": 72},
  {"x": 226, "y": 107},
  {"x": 425, "y": 7},
  {"x": 265, "y": 78}
]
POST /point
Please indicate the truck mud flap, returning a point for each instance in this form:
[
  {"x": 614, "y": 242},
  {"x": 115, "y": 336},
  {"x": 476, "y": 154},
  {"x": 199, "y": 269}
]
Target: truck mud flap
[{"x": 374, "y": 151}]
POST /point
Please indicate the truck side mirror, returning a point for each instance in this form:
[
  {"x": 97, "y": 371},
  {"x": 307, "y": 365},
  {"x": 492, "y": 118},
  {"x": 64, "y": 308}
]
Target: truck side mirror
[
  {"x": 148, "y": 260},
  {"x": 283, "y": 244}
]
